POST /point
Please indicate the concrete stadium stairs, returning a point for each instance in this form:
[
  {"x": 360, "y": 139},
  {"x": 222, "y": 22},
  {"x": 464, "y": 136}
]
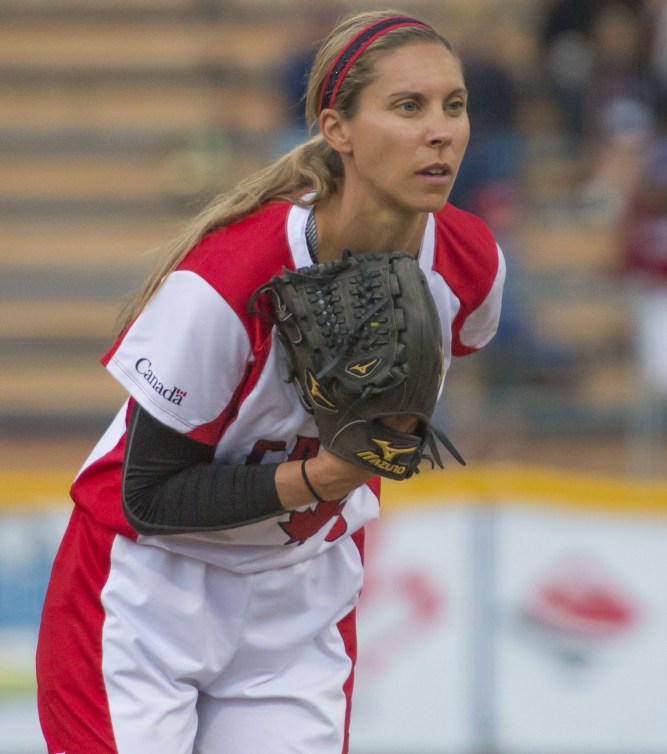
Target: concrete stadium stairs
[{"x": 119, "y": 118}]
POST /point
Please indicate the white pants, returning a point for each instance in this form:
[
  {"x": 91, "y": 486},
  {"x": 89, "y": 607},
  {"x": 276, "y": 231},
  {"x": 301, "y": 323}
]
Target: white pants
[{"x": 195, "y": 659}]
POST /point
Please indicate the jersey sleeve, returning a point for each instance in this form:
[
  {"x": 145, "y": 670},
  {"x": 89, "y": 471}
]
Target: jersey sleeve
[
  {"x": 183, "y": 359},
  {"x": 472, "y": 267},
  {"x": 481, "y": 324}
]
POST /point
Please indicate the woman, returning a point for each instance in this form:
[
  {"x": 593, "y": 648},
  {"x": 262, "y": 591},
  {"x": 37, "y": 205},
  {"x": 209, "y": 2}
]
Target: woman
[{"x": 202, "y": 600}]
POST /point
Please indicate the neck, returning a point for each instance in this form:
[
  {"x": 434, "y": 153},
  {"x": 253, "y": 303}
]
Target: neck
[{"x": 341, "y": 225}]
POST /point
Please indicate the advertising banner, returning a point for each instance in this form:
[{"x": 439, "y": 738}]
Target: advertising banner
[
  {"x": 515, "y": 610},
  {"x": 414, "y": 634},
  {"x": 508, "y": 609}
]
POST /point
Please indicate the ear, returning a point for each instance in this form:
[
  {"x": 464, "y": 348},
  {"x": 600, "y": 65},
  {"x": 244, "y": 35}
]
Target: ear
[{"x": 335, "y": 130}]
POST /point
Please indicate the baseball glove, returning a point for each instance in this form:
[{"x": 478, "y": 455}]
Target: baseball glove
[{"x": 363, "y": 343}]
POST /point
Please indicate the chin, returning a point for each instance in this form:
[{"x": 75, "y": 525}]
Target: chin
[
  {"x": 434, "y": 205},
  {"x": 422, "y": 203},
  {"x": 434, "y": 202}
]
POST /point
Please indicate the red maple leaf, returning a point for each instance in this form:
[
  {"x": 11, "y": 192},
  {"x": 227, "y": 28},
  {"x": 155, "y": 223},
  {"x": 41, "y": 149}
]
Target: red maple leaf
[{"x": 304, "y": 524}]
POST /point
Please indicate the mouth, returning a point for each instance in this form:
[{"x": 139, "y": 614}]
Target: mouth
[{"x": 438, "y": 172}]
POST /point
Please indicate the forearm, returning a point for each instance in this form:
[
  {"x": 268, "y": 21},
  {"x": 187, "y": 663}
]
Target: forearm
[
  {"x": 330, "y": 478},
  {"x": 172, "y": 485}
]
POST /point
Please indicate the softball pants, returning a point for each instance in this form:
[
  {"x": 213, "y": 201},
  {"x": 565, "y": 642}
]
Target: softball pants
[{"x": 145, "y": 652}]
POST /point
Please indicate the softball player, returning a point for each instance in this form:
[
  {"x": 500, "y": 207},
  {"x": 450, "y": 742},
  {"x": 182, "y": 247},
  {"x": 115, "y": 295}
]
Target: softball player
[{"x": 201, "y": 600}]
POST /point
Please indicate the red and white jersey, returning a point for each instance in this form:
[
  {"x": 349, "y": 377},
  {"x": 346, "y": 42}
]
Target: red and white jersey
[{"x": 200, "y": 363}]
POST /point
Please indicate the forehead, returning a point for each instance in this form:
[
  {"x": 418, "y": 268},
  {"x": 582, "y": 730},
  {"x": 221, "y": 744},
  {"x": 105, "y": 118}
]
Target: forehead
[{"x": 416, "y": 66}]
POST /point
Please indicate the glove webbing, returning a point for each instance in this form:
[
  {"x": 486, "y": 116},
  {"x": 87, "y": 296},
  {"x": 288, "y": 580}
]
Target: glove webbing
[{"x": 341, "y": 339}]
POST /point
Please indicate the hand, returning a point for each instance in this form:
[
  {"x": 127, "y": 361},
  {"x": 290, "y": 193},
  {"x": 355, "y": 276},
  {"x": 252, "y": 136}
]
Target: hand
[{"x": 401, "y": 423}]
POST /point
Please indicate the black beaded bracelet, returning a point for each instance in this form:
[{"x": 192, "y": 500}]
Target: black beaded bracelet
[{"x": 308, "y": 484}]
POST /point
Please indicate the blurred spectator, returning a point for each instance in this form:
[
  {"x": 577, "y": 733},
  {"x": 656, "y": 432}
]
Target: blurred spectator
[
  {"x": 621, "y": 103},
  {"x": 566, "y": 48},
  {"x": 598, "y": 57},
  {"x": 493, "y": 160},
  {"x": 645, "y": 235},
  {"x": 657, "y": 10},
  {"x": 488, "y": 184}
]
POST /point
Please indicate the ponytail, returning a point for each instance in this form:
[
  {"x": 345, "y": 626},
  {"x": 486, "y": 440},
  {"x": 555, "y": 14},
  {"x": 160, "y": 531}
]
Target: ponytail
[{"x": 312, "y": 167}]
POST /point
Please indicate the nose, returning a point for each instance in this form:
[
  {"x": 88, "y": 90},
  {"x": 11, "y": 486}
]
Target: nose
[
  {"x": 438, "y": 141},
  {"x": 439, "y": 129}
]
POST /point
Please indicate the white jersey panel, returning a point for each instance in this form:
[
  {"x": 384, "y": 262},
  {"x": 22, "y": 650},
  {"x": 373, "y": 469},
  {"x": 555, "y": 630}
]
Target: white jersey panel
[
  {"x": 272, "y": 412},
  {"x": 185, "y": 355},
  {"x": 448, "y": 307},
  {"x": 426, "y": 255},
  {"x": 296, "y": 235},
  {"x": 446, "y": 302}
]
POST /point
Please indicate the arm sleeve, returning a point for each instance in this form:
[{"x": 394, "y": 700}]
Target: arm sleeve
[{"x": 172, "y": 485}]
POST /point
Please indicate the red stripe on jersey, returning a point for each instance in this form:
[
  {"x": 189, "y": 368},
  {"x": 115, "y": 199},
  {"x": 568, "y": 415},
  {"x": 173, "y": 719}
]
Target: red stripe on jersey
[
  {"x": 237, "y": 259},
  {"x": 228, "y": 260},
  {"x": 466, "y": 255},
  {"x": 212, "y": 432},
  {"x": 97, "y": 489},
  {"x": 72, "y": 701}
]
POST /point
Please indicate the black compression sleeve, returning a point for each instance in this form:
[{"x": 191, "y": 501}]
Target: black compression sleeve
[{"x": 172, "y": 485}]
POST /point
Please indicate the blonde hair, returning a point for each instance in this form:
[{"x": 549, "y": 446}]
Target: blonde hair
[{"x": 312, "y": 167}]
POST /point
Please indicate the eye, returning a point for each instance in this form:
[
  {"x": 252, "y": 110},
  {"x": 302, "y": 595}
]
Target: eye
[
  {"x": 409, "y": 106},
  {"x": 456, "y": 106}
]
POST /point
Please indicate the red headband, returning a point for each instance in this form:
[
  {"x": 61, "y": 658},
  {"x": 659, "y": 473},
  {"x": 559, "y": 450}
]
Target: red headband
[{"x": 353, "y": 50}]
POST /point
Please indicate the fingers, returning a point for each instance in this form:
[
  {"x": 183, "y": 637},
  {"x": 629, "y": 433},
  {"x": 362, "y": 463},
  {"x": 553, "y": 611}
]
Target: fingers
[{"x": 403, "y": 423}]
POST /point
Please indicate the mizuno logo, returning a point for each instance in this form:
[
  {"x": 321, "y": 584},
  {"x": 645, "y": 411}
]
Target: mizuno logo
[
  {"x": 362, "y": 369},
  {"x": 386, "y": 462},
  {"x": 317, "y": 393},
  {"x": 389, "y": 453}
]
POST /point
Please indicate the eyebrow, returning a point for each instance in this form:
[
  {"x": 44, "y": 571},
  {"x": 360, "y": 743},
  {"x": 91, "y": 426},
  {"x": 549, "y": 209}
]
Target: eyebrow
[{"x": 416, "y": 93}]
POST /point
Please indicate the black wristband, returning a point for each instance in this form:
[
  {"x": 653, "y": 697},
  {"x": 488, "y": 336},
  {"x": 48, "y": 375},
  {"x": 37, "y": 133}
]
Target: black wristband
[{"x": 308, "y": 484}]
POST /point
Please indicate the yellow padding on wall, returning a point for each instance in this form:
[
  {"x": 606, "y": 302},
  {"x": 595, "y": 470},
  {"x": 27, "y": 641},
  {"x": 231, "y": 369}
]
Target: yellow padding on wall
[
  {"x": 34, "y": 490},
  {"x": 527, "y": 485},
  {"x": 486, "y": 485}
]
